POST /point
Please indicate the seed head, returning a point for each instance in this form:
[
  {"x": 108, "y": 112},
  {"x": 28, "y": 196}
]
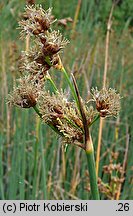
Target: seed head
[
  {"x": 36, "y": 20},
  {"x": 43, "y": 54},
  {"x": 46, "y": 45},
  {"x": 33, "y": 61},
  {"x": 57, "y": 111},
  {"x": 54, "y": 42},
  {"x": 107, "y": 101},
  {"x": 26, "y": 94}
]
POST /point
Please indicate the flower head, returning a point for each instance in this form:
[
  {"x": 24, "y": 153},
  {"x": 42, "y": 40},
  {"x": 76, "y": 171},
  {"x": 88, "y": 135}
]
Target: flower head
[
  {"x": 44, "y": 54},
  {"x": 26, "y": 94},
  {"x": 33, "y": 61},
  {"x": 107, "y": 101},
  {"x": 36, "y": 20},
  {"x": 44, "y": 50},
  {"x": 53, "y": 43},
  {"x": 62, "y": 115}
]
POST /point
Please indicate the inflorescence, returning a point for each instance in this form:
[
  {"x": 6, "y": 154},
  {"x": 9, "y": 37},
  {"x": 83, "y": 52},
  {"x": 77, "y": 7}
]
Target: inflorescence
[{"x": 54, "y": 108}]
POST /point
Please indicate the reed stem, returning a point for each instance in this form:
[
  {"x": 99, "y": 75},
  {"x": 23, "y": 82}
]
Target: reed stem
[
  {"x": 88, "y": 146},
  {"x": 92, "y": 174},
  {"x": 70, "y": 85},
  {"x": 37, "y": 111},
  {"x": 109, "y": 24},
  {"x": 95, "y": 119},
  {"x": 50, "y": 125},
  {"x": 52, "y": 84}
]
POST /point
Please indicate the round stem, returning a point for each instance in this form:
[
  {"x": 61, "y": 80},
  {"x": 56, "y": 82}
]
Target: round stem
[
  {"x": 50, "y": 125},
  {"x": 95, "y": 119},
  {"x": 92, "y": 174},
  {"x": 37, "y": 111},
  {"x": 70, "y": 85},
  {"x": 52, "y": 84}
]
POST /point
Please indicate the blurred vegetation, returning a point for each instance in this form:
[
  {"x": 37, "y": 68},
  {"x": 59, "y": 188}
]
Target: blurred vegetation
[{"x": 33, "y": 163}]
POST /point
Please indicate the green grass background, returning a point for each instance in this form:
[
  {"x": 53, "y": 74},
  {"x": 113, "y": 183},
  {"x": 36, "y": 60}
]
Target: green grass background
[{"x": 33, "y": 163}]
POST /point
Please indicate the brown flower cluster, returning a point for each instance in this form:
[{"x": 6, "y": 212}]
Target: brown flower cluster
[
  {"x": 41, "y": 56},
  {"x": 46, "y": 45},
  {"x": 60, "y": 114},
  {"x": 36, "y": 20},
  {"x": 107, "y": 101},
  {"x": 44, "y": 54},
  {"x": 114, "y": 173},
  {"x": 64, "y": 116},
  {"x": 26, "y": 94}
]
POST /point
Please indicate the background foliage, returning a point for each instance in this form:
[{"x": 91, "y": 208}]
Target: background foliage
[{"x": 33, "y": 163}]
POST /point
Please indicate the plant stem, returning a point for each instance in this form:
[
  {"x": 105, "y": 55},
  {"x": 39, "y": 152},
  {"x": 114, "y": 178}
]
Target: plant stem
[
  {"x": 95, "y": 119},
  {"x": 99, "y": 145},
  {"x": 88, "y": 147},
  {"x": 44, "y": 176},
  {"x": 76, "y": 17},
  {"x": 37, "y": 111},
  {"x": 61, "y": 68},
  {"x": 71, "y": 123},
  {"x": 50, "y": 125},
  {"x": 109, "y": 24},
  {"x": 92, "y": 174},
  {"x": 70, "y": 85},
  {"x": 53, "y": 84},
  {"x": 36, "y": 158}
]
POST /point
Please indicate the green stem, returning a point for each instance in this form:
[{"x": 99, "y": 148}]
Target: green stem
[
  {"x": 92, "y": 174},
  {"x": 47, "y": 59},
  {"x": 88, "y": 147},
  {"x": 50, "y": 125},
  {"x": 71, "y": 123},
  {"x": 53, "y": 84},
  {"x": 37, "y": 111},
  {"x": 55, "y": 129},
  {"x": 95, "y": 119},
  {"x": 44, "y": 176},
  {"x": 70, "y": 85},
  {"x": 36, "y": 159}
]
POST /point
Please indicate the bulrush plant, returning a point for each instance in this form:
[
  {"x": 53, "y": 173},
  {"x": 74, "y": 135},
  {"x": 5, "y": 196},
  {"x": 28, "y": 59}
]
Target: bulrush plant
[{"x": 70, "y": 119}]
